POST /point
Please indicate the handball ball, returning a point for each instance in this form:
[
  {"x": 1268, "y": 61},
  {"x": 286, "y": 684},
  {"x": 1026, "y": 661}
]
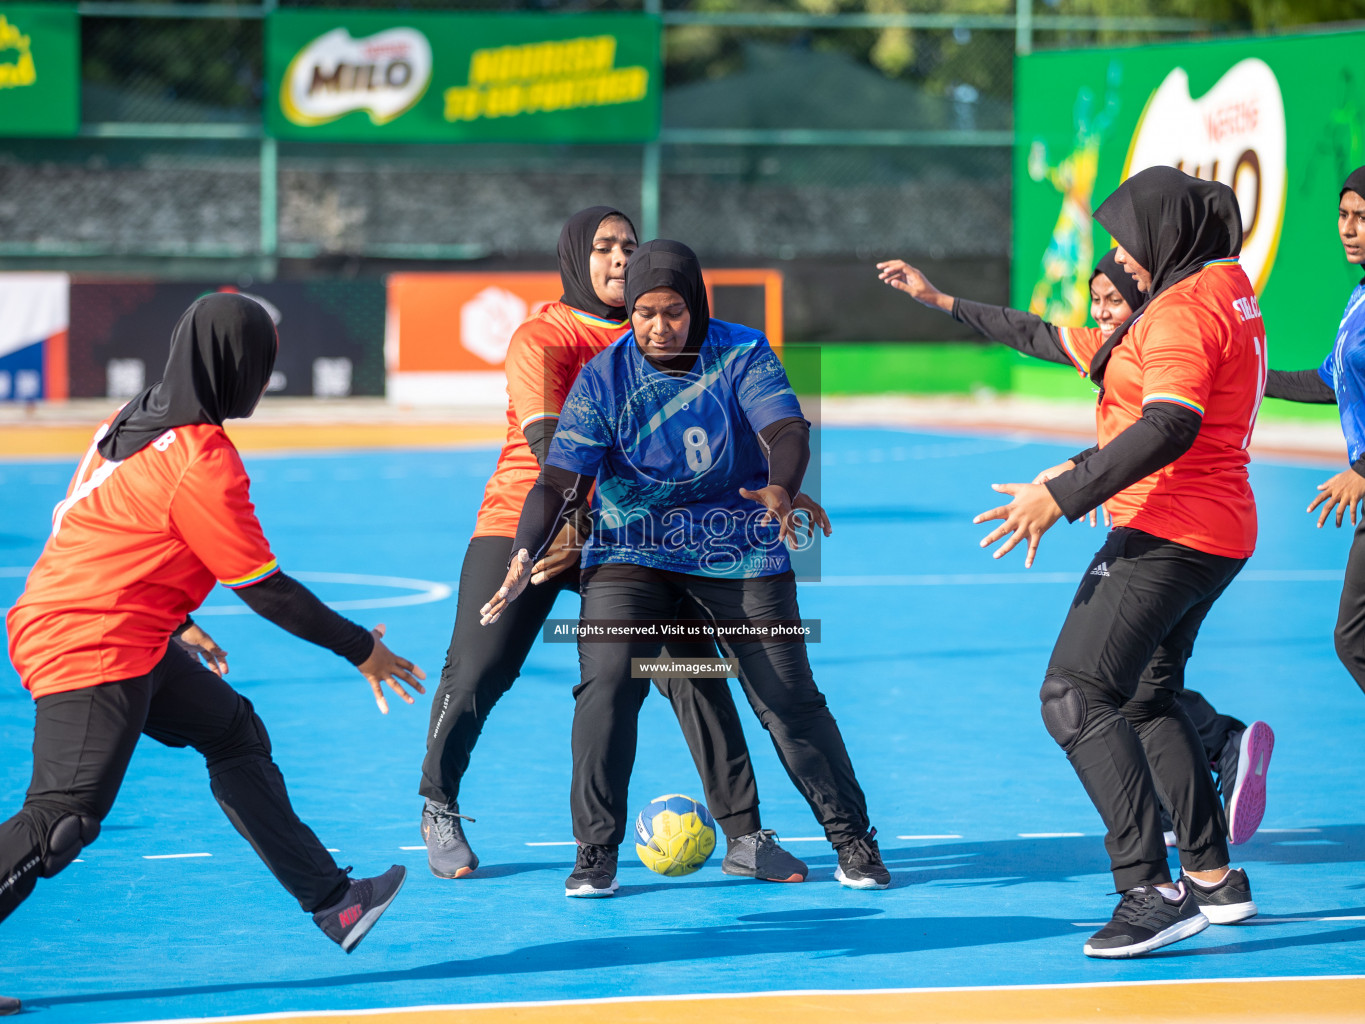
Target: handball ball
[{"x": 674, "y": 835}]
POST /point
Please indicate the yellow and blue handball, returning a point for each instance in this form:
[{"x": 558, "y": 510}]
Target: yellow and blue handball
[{"x": 674, "y": 835}]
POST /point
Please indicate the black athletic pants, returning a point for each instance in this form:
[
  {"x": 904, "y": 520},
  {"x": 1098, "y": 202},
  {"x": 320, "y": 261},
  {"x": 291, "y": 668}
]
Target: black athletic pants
[
  {"x": 483, "y": 662},
  {"x": 1109, "y": 700},
  {"x": 1349, "y": 636},
  {"x": 776, "y": 678},
  {"x": 83, "y": 741}
]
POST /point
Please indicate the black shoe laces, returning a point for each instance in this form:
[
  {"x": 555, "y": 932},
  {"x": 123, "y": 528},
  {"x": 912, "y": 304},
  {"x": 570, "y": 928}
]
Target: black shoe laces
[
  {"x": 863, "y": 850},
  {"x": 1138, "y": 906}
]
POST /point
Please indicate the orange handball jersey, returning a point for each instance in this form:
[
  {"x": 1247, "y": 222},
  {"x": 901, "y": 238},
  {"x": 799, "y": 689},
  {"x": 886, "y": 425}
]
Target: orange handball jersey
[
  {"x": 135, "y": 547},
  {"x": 543, "y": 360},
  {"x": 1200, "y": 344}
]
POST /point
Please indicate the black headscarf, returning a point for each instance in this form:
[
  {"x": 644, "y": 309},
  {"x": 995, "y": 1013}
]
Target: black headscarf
[
  {"x": 1173, "y": 223},
  {"x": 1120, "y": 279},
  {"x": 1355, "y": 182},
  {"x": 222, "y": 353},
  {"x": 575, "y": 246},
  {"x": 664, "y": 263}
]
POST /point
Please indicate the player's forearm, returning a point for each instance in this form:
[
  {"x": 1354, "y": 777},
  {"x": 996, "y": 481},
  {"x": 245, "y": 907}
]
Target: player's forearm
[
  {"x": 1021, "y": 331},
  {"x": 787, "y": 445},
  {"x": 538, "y": 435},
  {"x": 1163, "y": 434},
  {"x": 1299, "y": 386},
  {"x": 296, "y": 609},
  {"x": 557, "y": 495}
]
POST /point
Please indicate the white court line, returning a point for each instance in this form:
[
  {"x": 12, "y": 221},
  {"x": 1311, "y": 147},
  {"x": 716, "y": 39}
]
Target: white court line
[
  {"x": 966, "y": 579},
  {"x": 173, "y": 856},
  {"x": 946, "y": 835},
  {"x": 1291, "y": 920},
  {"x": 427, "y": 592},
  {"x": 331, "y": 849},
  {"x": 1050, "y": 835},
  {"x": 571, "y": 842},
  {"x": 1289, "y": 831},
  {"x": 412, "y": 847}
]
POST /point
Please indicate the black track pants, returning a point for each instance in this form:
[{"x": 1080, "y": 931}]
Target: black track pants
[
  {"x": 1349, "y": 635},
  {"x": 483, "y": 662},
  {"x": 776, "y": 678},
  {"x": 84, "y": 739},
  {"x": 1123, "y": 649}
]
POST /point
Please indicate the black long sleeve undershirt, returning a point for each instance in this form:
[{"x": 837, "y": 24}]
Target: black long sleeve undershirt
[
  {"x": 560, "y": 494},
  {"x": 1021, "y": 331},
  {"x": 1299, "y": 386},
  {"x": 296, "y": 609},
  {"x": 1163, "y": 434}
]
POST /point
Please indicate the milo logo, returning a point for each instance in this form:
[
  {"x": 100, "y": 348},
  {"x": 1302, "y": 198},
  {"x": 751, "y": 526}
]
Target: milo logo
[
  {"x": 384, "y": 75},
  {"x": 1235, "y": 134},
  {"x": 16, "y": 57}
]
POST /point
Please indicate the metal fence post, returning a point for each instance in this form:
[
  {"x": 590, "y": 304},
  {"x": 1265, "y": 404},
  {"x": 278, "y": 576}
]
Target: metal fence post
[
  {"x": 1023, "y": 26},
  {"x": 650, "y": 170}
]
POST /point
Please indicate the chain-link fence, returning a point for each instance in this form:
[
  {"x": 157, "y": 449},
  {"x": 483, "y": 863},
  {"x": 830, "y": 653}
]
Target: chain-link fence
[{"x": 787, "y": 135}]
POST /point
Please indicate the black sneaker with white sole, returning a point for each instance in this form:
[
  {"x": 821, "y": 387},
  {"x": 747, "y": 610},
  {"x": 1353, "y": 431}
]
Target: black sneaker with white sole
[
  {"x": 860, "y": 864},
  {"x": 757, "y": 855},
  {"x": 349, "y": 920},
  {"x": 1227, "y": 902},
  {"x": 594, "y": 872},
  {"x": 1146, "y": 920},
  {"x": 448, "y": 852}
]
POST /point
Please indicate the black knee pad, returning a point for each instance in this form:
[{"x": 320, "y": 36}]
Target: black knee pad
[
  {"x": 1063, "y": 709},
  {"x": 68, "y": 835}
]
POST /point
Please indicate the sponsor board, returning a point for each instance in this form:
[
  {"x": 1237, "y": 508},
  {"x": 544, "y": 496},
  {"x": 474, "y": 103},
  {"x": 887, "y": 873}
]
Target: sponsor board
[
  {"x": 415, "y": 77},
  {"x": 331, "y": 334},
  {"x": 33, "y": 336},
  {"x": 1277, "y": 119},
  {"x": 39, "y": 69}
]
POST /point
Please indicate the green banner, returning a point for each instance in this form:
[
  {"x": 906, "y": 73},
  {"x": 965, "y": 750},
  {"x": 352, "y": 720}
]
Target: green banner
[
  {"x": 1281, "y": 120},
  {"x": 406, "y": 77},
  {"x": 39, "y": 70}
]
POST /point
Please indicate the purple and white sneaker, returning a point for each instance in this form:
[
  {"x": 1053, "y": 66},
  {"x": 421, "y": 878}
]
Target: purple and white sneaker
[{"x": 1246, "y": 806}]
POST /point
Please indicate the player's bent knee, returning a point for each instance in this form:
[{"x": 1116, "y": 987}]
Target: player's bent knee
[
  {"x": 68, "y": 835},
  {"x": 1064, "y": 709}
]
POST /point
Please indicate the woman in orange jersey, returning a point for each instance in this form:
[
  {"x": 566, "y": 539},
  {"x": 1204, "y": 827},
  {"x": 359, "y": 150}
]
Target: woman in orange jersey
[
  {"x": 1237, "y": 752},
  {"x": 157, "y": 513},
  {"x": 543, "y": 360}
]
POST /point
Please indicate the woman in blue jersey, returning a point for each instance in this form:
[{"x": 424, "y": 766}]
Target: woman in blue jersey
[
  {"x": 697, "y": 444},
  {"x": 1341, "y": 379}
]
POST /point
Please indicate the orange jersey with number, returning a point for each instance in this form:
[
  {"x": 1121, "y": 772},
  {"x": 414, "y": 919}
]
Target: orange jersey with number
[
  {"x": 136, "y": 546},
  {"x": 1200, "y": 344},
  {"x": 543, "y": 360}
]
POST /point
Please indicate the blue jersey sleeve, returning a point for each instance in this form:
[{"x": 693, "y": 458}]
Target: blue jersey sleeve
[
  {"x": 1327, "y": 371},
  {"x": 584, "y": 433},
  {"x": 763, "y": 390}
]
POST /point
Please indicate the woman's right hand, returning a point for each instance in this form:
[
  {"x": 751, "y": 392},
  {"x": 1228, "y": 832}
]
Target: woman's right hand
[
  {"x": 518, "y": 576},
  {"x": 903, "y": 277}
]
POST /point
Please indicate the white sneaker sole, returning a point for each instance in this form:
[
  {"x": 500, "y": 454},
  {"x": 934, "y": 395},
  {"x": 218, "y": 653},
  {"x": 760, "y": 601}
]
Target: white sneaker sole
[
  {"x": 861, "y": 883},
  {"x": 1247, "y": 806},
  {"x": 1230, "y": 913},
  {"x": 588, "y": 892},
  {"x": 368, "y": 919},
  {"x": 1176, "y": 932}
]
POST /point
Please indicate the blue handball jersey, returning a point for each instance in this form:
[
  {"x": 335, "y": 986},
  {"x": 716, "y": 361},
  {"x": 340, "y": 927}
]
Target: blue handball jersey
[
  {"x": 1344, "y": 372},
  {"x": 670, "y": 454}
]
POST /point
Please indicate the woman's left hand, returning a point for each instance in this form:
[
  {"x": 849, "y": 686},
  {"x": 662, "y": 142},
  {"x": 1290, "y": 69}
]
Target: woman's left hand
[
  {"x": 201, "y": 645},
  {"x": 803, "y": 502},
  {"x": 564, "y": 553},
  {"x": 778, "y": 505},
  {"x": 1343, "y": 491},
  {"x": 1030, "y": 515},
  {"x": 518, "y": 576}
]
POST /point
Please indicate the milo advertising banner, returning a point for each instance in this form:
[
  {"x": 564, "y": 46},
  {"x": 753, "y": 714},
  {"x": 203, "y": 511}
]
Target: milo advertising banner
[
  {"x": 1280, "y": 120},
  {"x": 407, "y": 77},
  {"x": 39, "y": 69}
]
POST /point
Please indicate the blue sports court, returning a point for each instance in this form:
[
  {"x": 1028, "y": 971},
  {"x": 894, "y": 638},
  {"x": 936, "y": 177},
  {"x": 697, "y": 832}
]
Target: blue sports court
[{"x": 931, "y": 657}]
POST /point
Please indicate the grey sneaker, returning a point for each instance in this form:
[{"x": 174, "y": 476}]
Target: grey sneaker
[
  {"x": 349, "y": 920},
  {"x": 448, "y": 852},
  {"x": 757, "y": 855},
  {"x": 9, "y": 1006}
]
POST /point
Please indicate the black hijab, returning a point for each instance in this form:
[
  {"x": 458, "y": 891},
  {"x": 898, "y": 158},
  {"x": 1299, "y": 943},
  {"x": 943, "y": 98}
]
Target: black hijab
[
  {"x": 222, "y": 352},
  {"x": 664, "y": 263},
  {"x": 575, "y": 247},
  {"x": 1172, "y": 224},
  {"x": 1355, "y": 182},
  {"x": 1120, "y": 279}
]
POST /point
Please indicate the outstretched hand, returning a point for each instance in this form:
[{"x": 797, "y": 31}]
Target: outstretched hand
[
  {"x": 777, "y": 506},
  {"x": 383, "y": 666},
  {"x": 201, "y": 645},
  {"x": 905, "y": 278},
  {"x": 1052, "y": 472},
  {"x": 1343, "y": 491},
  {"x": 1030, "y": 515},
  {"x": 516, "y": 580},
  {"x": 803, "y": 502}
]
